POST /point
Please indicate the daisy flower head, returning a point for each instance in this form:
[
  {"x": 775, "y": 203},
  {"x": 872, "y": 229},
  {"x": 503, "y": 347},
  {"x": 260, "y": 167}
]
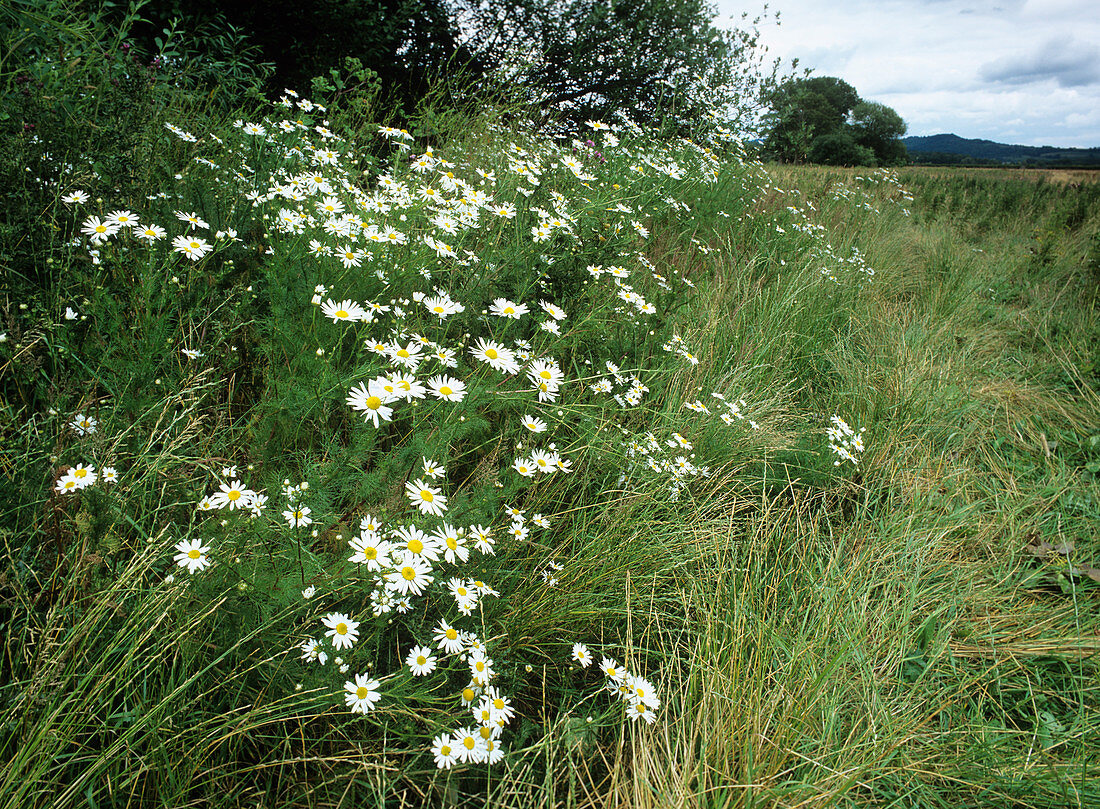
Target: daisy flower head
[
  {"x": 420, "y": 661},
  {"x": 553, "y": 310},
  {"x": 66, "y": 484},
  {"x": 427, "y": 498},
  {"x": 495, "y": 355},
  {"x": 535, "y": 425},
  {"x": 348, "y": 311},
  {"x": 124, "y": 219},
  {"x": 98, "y": 229},
  {"x": 83, "y": 425},
  {"x": 613, "y": 670},
  {"x": 525, "y": 467},
  {"x": 83, "y": 475},
  {"x": 108, "y": 474},
  {"x": 411, "y": 575},
  {"x": 471, "y": 747},
  {"x": 191, "y": 246},
  {"x": 343, "y": 631},
  {"x": 372, "y": 400},
  {"x": 432, "y": 469},
  {"x": 453, "y": 544},
  {"x": 408, "y": 539},
  {"x": 232, "y": 495},
  {"x": 483, "y": 539},
  {"x": 370, "y": 550},
  {"x": 481, "y": 668},
  {"x": 581, "y": 654},
  {"x": 444, "y": 751},
  {"x": 447, "y": 388},
  {"x": 442, "y": 306},
  {"x": 449, "y": 639},
  {"x": 362, "y": 694},
  {"x": 640, "y": 710},
  {"x": 192, "y": 219},
  {"x": 150, "y": 233},
  {"x": 502, "y": 307},
  {"x": 298, "y": 516},
  {"x": 77, "y": 197},
  {"x": 191, "y": 554}
]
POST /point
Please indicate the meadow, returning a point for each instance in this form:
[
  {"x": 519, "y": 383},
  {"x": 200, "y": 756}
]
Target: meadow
[{"x": 447, "y": 462}]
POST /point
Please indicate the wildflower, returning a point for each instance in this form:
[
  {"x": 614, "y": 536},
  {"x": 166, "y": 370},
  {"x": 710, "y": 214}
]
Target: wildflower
[
  {"x": 411, "y": 540},
  {"x": 372, "y": 400},
  {"x": 453, "y": 543},
  {"x": 641, "y": 710},
  {"x": 411, "y": 575},
  {"x": 535, "y": 425},
  {"x": 362, "y": 694},
  {"x": 495, "y": 355},
  {"x": 447, "y": 388},
  {"x": 442, "y": 306},
  {"x": 67, "y": 484},
  {"x": 432, "y": 469},
  {"x": 233, "y": 495},
  {"x": 192, "y": 555},
  {"x": 448, "y": 639},
  {"x": 83, "y": 475},
  {"x": 83, "y": 425},
  {"x": 77, "y": 197},
  {"x": 407, "y": 356},
  {"x": 343, "y": 631},
  {"x": 420, "y": 661},
  {"x": 444, "y": 751},
  {"x": 99, "y": 230},
  {"x": 613, "y": 670},
  {"x": 191, "y": 246},
  {"x": 191, "y": 353},
  {"x": 525, "y": 467},
  {"x": 483, "y": 539},
  {"x": 581, "y": 655},
  {"x": 345, "y": 310},
  {"x": 428, "y": 499},
  {"x": 298, "y": 516},
  {"x": 192, "y": 219},
  {"x": 481, "y": 667},
  {"x": 370, "y": 550},
  {"x": 502, "y": 307},
  {"x": 108, "y": 474},
  {"x": 471, "y": 747}
]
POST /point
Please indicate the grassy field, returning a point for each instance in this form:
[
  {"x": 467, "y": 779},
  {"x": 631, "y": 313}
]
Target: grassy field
[{"x": 897, "y": 607}]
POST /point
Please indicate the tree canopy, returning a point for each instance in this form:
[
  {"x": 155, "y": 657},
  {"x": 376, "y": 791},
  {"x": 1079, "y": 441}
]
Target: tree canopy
[
  {"x": 572, "y": 58},
  {"x": 823, "y": 120}
]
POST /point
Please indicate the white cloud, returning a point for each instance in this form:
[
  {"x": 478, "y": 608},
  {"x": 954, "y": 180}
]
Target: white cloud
[{"x": 1007, "y": 70}]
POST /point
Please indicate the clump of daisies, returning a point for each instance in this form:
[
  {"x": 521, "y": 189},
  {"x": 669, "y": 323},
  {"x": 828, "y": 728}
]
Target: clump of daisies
[
  {"x": 638, "y": 695},
  {"x": 845, "y": 442}
]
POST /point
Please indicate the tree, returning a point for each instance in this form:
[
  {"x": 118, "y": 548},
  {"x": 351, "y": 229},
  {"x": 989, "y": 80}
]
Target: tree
[
  {"x": 593, "y": 58},
  {"x": 880, "y": 129},
  {"x": 823, "y": 120}
]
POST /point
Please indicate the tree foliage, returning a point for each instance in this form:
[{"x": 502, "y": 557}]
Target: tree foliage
[
  {"x": 572, "y": 58},
  {"x": 823, "y": 120}
]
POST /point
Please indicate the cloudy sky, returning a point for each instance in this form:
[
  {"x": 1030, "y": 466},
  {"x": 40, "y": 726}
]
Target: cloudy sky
[{"x": 1013, "y": 71}]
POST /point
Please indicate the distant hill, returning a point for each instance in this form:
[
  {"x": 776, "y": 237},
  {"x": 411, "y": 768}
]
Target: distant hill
[{"x": 952, "y": 150}]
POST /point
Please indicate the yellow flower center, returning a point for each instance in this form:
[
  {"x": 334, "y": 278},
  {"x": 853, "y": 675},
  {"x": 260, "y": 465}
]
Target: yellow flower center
[
  {"x": 485, "y": 732},
  {"x": 341, "y": 629},
  {"x": 438, "y": 310},
  {"x": 371, "y": 553},
  {"x": 373, "y": 402},
  {"x": 452, "y": 634},
  {"x": 468, "y": 694},
  {"x": 498, "y": 703},
  {"x": 416, "y": 546},
  {"x": 341, "y": 313},
  {"x": 452, "y": 543},
  {"x": 491, "y": 353},
  {"x": 508, "y": 310},
  {"x": 298, "y": 515},
  {"x": 421, "y": 660},
  {"x": 233, "y": 494},
  {"x": 480, "y": 665},
  {"x": 361, "y": 692},
  {"x": 445, "y": 750},
  {"x": 469, "y": 742},
  {"x": 426, "y": 496},
  {"x": 461, "y": 591},
  {"x": 100, "y": 228},
  {"x": 80, "y": 473},
  {"x": 193, "y": 553},
  {"x": 445, "y": 390},
  {"x": 408, "y": 573},
  {"x": 545, "y": 374}
]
